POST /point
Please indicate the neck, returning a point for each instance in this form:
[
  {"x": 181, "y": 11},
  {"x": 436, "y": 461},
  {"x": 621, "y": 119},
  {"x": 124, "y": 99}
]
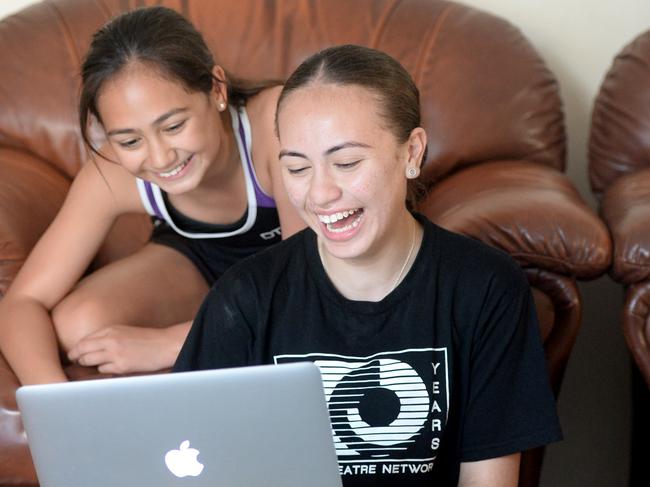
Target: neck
[
  {"x": 226, "y": 167},
  {"x": 373, "y": 278}
]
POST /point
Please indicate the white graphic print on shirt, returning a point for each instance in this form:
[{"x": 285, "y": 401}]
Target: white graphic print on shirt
[{"x": 388, "y": 410}]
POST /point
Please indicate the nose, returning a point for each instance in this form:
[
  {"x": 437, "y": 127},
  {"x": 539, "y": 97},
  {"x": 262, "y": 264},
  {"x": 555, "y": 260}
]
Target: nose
[
  {"x": 323, "y": 188},
  {"x": 161, "y": 155}
]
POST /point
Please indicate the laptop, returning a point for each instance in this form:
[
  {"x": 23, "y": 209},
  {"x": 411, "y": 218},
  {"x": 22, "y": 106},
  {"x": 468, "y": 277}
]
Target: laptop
[{"x": 251, "y": 427}]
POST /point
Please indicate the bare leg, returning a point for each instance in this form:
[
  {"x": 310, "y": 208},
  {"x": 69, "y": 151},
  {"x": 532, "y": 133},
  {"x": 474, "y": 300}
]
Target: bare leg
[{"x": 156, "y": 287}]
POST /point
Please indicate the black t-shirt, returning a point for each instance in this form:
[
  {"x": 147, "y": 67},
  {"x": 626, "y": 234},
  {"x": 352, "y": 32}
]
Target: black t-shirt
[{"x": 447, "y": 368}]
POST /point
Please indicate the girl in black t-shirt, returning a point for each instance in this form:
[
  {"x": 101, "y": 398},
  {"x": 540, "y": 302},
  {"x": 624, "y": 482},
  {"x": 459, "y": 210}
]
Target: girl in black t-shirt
[{"x": 427, "y": 341}]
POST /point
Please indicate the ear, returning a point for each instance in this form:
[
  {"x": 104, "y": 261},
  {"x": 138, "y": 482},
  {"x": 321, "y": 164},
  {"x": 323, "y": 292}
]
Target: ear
[
  {"x": 219, "y": 85},
  {"x": 416, "y": 145}
]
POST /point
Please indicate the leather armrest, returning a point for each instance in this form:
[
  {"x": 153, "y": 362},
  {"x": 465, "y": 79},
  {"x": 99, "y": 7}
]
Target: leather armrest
[
  {"x": 626, "y": 210},
  {"x": 31, "y": 192},
  {"x": 531, "y": 211},
  {"x": 636, "y": 326}
]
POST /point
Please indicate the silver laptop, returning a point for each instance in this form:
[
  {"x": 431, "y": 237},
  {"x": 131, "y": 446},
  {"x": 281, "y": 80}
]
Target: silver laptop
[{"x": 263, "y": 426}]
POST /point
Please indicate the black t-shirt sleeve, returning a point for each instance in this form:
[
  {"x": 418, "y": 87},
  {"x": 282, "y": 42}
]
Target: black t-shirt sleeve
[
  {"x": 220, "y": 335},
  {"x": 510, "y": 406}
]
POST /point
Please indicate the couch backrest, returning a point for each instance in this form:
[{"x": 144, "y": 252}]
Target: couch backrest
[
  {"x": 619, "y": 142},
  {"x": 485, "y": 92}
]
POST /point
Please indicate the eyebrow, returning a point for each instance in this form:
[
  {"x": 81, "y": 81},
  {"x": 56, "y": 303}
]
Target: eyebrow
[
  {"x": 330, "y": 151},
  {"x": 157, "y": 121}
]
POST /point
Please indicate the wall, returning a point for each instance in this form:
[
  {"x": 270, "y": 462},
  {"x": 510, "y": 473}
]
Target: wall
[
  {"x": 578, "y": 39},
  {"x": 9, "y": 6}
]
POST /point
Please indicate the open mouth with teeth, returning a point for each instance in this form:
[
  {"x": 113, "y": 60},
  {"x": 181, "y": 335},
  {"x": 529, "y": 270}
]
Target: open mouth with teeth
[
  {"x": 342, "y": 221},
  {"x": 176, "y": 170}
]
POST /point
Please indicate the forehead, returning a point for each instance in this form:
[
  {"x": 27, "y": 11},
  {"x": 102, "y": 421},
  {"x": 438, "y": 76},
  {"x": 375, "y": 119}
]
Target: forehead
[
  {"x": 138, "y": 90},
  {"x": 327, "y": 108}
]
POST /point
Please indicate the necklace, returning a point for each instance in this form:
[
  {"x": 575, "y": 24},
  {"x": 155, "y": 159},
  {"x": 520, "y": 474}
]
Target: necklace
[{"x": 408, "y": 258}]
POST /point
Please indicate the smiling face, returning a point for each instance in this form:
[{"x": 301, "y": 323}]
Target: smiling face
[
  {"x": 158, "y": 130},
  {"x": 344, "y": 170}
]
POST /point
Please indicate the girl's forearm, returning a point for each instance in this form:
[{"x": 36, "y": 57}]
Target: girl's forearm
[{"x": 28, "y": 341}]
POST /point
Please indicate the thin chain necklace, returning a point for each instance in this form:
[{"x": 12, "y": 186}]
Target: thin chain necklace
[
  {"x": 408, "y": 258},
  {"x": 401, "y": 272}
]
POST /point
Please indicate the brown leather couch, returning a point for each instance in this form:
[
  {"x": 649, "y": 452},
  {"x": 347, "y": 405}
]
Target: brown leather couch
[
  {"x": 491, "y": 109},
  {"x": 619, "y": 171}
]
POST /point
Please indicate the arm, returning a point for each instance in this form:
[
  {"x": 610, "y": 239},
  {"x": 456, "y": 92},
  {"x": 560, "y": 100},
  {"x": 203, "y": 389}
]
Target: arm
[
  {"x": 495, "y": 472},
  {"x": 123, "y": 349},
  {"x": 27, "y": 337}
]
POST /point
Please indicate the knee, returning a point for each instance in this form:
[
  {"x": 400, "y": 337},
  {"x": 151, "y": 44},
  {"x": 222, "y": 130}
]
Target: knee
[{"x": 74, "y": 318}]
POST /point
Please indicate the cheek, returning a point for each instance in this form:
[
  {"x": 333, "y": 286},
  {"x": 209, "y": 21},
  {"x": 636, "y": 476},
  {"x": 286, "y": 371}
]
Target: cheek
[
  {"x": 362, "y": 189},
  {"x": 295, "y": 191},
  {"x": 196, "y": 140},
  {"x": 128, "y": 160},
  {"x": 367, "y": 185},
  {"x": 131, "y": 165}
]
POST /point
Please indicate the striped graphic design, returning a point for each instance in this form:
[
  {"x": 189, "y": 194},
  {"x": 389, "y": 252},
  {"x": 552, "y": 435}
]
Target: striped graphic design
[{"x": 382, "y": 406}]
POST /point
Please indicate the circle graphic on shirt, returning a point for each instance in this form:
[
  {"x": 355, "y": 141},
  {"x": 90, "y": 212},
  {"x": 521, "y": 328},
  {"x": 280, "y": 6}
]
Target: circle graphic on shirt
[
  {"x": 387, "y": 407},
  {"x": 379, "y": 407},
  {"x": 376, "y": 405}
]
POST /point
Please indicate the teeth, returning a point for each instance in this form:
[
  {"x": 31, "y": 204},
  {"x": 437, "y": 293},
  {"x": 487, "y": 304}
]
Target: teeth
[
  {"x": 352, "y": 225},
  {"x": 329, "y": 220},
  {"x": 174, "y": 171},
  {"x": 334, "y": 217}
]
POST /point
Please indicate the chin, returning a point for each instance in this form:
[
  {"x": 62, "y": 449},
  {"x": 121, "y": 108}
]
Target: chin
[
  {"x": 346, "y": 249},
  {"x": 179, "y": 186}
]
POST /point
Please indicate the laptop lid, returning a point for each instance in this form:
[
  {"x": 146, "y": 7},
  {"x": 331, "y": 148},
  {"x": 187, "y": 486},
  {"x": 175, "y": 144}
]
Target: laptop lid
[{"x": 252, "y": 426}]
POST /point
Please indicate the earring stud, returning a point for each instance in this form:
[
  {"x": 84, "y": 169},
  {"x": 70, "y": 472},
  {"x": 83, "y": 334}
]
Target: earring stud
[
  {"x": 221, "y": 106},
  {"x": 412, "y": 172}
]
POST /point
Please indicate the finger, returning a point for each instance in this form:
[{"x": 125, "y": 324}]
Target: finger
[
  {"x": 99, "y": 357},
  {"x": 90, "y": 343},
  {"x": 109, "y": 368},
  {"x": 84, "y": 346}
]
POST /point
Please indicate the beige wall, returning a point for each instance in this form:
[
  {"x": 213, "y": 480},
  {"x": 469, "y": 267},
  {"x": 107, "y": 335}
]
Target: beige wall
[{"x": 10, "y": 6}]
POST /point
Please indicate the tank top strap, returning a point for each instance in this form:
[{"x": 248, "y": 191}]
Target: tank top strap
[
  {"x": 243, "y": 130},
  {"x": 146, "y": 192}
]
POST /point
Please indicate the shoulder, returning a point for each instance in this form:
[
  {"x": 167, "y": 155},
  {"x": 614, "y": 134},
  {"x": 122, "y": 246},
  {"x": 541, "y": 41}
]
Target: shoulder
[
  {"x": 265, "y": 146},
  {"x": 266, "y": 267},
  {"x": 261, "y": 107},
  {"x": 472, "y": 261},
  {"x": 261, "y": 114},
  {"x": 276, "y": 261},
  {"x": 257, "y": 277}
]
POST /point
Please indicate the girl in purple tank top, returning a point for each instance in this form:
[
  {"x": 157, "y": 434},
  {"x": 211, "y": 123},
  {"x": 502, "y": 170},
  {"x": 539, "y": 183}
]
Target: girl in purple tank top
[{"x": 176, "y": 143}]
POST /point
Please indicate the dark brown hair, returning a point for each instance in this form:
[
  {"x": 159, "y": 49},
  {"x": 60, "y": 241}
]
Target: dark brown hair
[
  {"x": 399, "y": 98},
  {"x": 161, "y": 39}
]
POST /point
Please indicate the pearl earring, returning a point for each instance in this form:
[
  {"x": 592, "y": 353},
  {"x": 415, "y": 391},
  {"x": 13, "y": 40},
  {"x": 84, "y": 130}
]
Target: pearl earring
[
  {"x": 221, "y": 106},
  {"x": 412, "y": 172}
]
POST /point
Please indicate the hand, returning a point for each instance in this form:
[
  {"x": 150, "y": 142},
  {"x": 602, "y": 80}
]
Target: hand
[{"x": 121, "y": 349}]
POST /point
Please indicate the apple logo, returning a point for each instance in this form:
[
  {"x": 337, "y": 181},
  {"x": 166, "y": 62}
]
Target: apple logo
[{"x": 183, "y": 462}]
